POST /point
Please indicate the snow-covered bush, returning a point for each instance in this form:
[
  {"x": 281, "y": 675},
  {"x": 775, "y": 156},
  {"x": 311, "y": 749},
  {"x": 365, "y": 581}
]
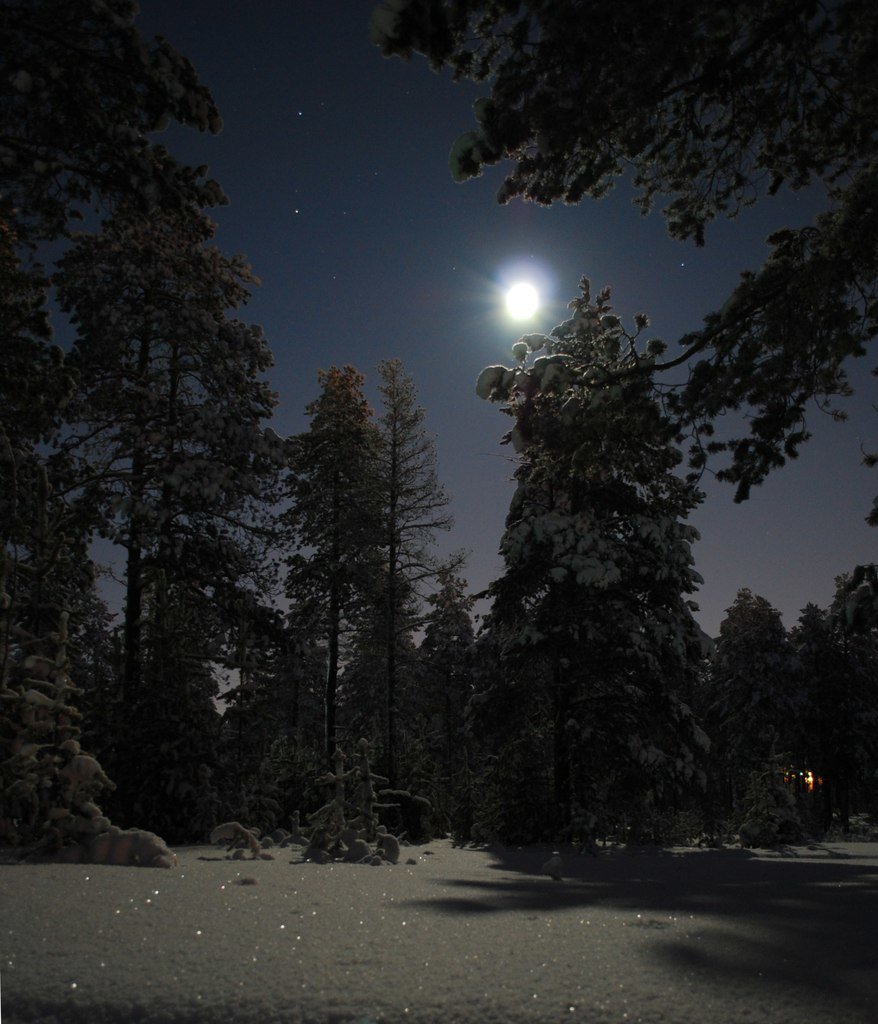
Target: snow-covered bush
[{"x": 768, "y": 814}]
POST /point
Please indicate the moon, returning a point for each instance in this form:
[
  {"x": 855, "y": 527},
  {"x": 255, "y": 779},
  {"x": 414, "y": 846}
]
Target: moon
[{"x": 522, "y": 301}]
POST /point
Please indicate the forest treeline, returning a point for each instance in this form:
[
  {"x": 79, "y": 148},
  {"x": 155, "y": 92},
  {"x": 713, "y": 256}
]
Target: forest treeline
[{"x": 283, "y": 596}]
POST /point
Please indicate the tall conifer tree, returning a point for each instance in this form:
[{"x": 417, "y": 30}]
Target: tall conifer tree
[
  {"x": 413, "y": 507},
  {"x": 331, "y": 521},
  {"x": 591, "y": 613},
  {"x": 172, "y": 462}
]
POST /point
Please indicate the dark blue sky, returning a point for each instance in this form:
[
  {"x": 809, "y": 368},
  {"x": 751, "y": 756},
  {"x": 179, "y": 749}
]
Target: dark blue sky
[{"x": 335, "y": 161}]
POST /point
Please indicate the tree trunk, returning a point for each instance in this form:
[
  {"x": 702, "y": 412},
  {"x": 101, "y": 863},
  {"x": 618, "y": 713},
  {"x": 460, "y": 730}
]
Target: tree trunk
[
  {"x": 134, "y": 568},
  {"x": 561, "y": 748},
  {"x": 392, "y": 572},
  {"x": 295, "y": 669},
  {"x": 391, "y": 670},
  {"x": 333, "y": 629},
  {"x": 133, "y": 615},
  {"x": 331, "y": 674}
]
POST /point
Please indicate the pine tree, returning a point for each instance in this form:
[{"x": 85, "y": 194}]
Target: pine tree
[
  {"x": 412, "y": 508},
  {"x": 170, "y": 458},
  {"x": 444, "y": 687},
  {"x": 331, "y": 523},
  {"x": 174, "y": 462},
  {"x": 591, "y": 617},
  {"x": 754, "y": 705},
  {"x": 444, "y": 657},
  {"x": 80, "y": 93},
  {"x": 837, "y": 676},
  {"x": 29, "y": 388}
]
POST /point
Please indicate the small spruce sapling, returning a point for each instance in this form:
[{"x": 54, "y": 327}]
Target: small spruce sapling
[
  {"x": 334, "y": 834},
  {"x": 47, "y": 785},
  {"x": 365, "y": 797},
  {"x": 329, "y": 822}
]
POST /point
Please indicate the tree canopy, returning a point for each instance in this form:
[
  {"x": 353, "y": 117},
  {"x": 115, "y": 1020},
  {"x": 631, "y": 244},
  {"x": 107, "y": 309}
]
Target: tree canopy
[
  {"x": 730, "y": 103},
  {"x": 80, "y": 92}
]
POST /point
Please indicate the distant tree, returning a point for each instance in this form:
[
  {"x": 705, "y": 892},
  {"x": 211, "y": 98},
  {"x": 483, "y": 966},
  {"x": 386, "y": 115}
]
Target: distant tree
[
  {"x": 331, "y": 523},
  {"x": 170, "y": 730},
  {"x": 444, "y": 687},
  {"x": 837, "y": 671},
  {"x": 857, "y": 702},
  {"x": 363, "y": 704},
  {"x": 821, "y": 677},
  {"x": 272, "y": 718},
  {"x": 257, "y": 699},
  {"x": 94, "y": 653},
  {"x": 80, "y": 92},
  {"x": 729, "y": 105},
  {"x": 412, "y": 507},
  {"x": 755, "y": 706},
  {"x": 301, "y": 679},
  {"x": 591, "y": 615},
  {"x": 445, "y": 652}
]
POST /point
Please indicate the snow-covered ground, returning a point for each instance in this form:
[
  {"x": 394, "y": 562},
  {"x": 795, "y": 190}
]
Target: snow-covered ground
[{"x": 477, "y": 935}]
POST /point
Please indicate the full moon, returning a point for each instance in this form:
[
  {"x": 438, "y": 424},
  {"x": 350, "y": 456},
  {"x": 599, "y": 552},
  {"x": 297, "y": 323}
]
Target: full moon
[{"x": 522, "y": 301}]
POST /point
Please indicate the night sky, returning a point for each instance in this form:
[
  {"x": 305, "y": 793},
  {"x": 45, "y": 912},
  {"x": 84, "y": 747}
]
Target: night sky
[{"x": 335, "y": 162}]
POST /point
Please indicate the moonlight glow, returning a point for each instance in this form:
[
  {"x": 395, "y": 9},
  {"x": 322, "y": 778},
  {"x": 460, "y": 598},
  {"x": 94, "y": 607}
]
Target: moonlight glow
[{"x": 522, "y": 301}]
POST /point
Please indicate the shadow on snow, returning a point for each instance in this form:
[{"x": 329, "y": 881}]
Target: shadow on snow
[{"x": 803, "y": 918}]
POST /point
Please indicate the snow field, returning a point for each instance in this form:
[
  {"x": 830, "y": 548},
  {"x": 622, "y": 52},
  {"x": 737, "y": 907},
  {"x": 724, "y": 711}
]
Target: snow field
[{"x": 649, "y": 936}]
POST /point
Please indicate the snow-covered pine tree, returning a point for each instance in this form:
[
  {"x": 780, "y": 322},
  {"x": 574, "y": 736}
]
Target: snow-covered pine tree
[
  {"x": 48, "y": 784},
  {"x": 331, "y": 523},
  {"x": 172, "y": 461},
  {"x": 591, "y": 616}
]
